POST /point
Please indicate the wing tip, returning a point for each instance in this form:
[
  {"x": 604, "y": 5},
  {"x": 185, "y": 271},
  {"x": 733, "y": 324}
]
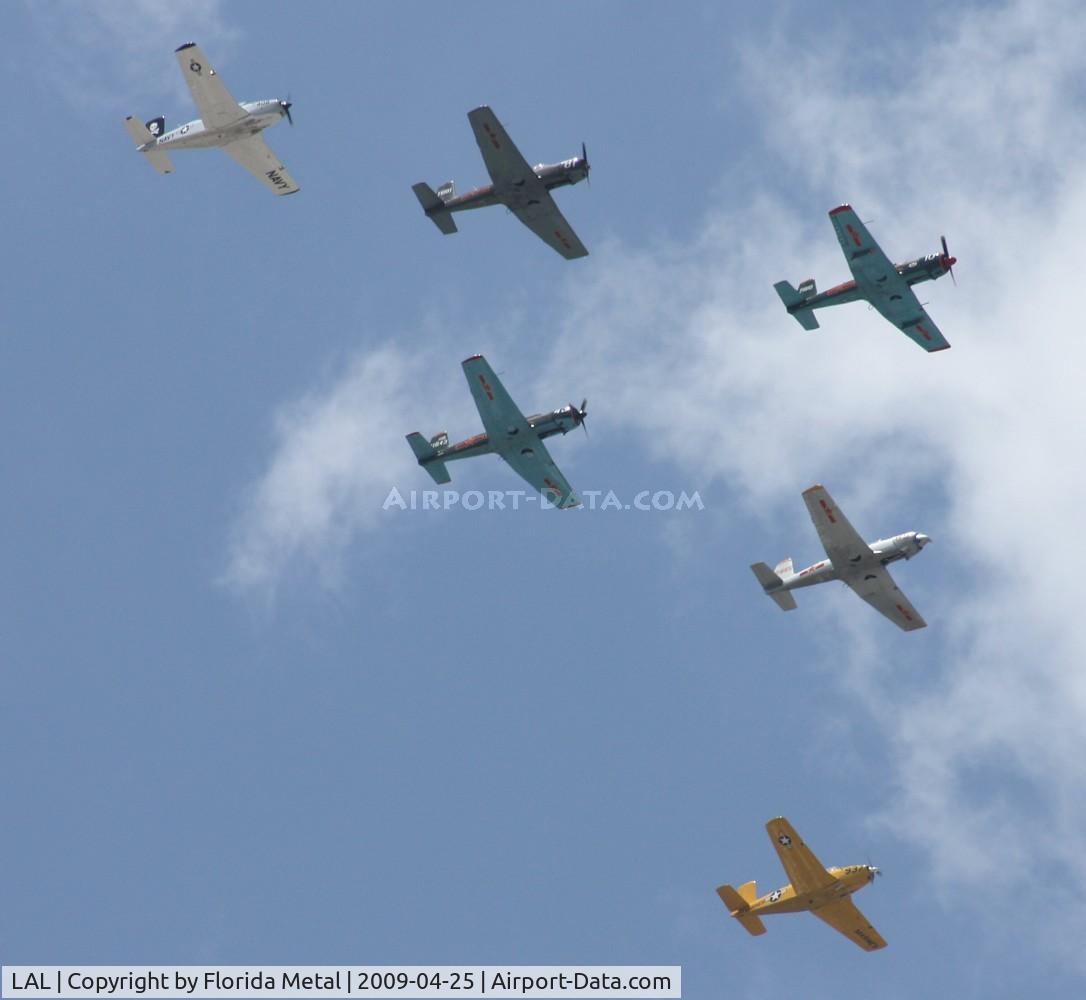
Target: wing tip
[
  {"x": 936, "y": 350},
  {"x": 186, "y": 45},
  {"x": 474, "y": 357},
  {"x": 811, "y": 489},
  {"x": 846, "y": 207}
]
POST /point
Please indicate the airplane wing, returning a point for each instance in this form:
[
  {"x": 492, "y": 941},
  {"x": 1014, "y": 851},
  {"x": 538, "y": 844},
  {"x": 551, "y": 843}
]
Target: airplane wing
[
  {"x": 542, "y": 217},
  {"x": 532, "y": 462},
  {"x": 503, "y": 160},
  {"x": 841, "y": 541},
  {"x": 512, "y": 435},
  {"x": 902, "y": 308},
  {"x": 804, "y": 870},
  {"x": 843, "y": 915},
  {"x": 877, "y": 587},
  {"x": 880, "y": 283},
  {"x": 253, "y": 153},
  {"x": 216, "y": 105},
  {"x": 863, "y": 254},
  {"x": 502, "y": 418}
]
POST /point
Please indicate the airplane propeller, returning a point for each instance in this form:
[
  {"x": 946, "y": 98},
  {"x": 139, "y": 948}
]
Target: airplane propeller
[
  {"x": 286, "y": 106},
  {"x": 948, "y": 261},
  {"x": 587, "y": 168},
  {"x": 582, "y": 415}
]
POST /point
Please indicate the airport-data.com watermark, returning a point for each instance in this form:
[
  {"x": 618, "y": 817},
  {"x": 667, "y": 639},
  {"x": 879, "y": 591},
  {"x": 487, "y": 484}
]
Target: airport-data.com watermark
[{"x": 657, "y": 500}]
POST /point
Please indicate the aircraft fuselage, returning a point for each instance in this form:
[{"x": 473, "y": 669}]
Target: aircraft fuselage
[
  {"x": 885, "y": 551},
  {"x": 553, "y": 175},
  {"x": 545, "y": 425},
  {"x": 928, "y": 268},
  {"x": 784, "y": 900},
  {"x": 196, "y": 135}
]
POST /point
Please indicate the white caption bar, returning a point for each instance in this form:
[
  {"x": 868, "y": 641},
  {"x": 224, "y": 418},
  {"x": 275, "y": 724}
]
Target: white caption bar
[{"x": 242, "y": 982}]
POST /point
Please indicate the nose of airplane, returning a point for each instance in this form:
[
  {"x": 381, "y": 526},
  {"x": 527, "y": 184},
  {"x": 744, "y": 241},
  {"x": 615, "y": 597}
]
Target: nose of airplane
[
  {"x": 872, "y": 871},
  {"x": 922, "y": 539}
]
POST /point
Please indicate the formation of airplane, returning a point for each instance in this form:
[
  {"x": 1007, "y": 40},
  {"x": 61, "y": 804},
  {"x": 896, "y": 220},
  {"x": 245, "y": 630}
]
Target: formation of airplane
[
  {"x": 523, "y": 189},
  {"x": 812, "y": 886},
  {"x": 509, "y": 434},
  {"x": 887, "y": 286},
  {"x": 518, "y": 440},
  {"x": 851, "y": 560},
  {"x": 223, "y": 122}
]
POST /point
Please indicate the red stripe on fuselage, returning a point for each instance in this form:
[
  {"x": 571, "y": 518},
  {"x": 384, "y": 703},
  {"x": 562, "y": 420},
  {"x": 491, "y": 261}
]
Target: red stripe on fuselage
[{"x": 846, "y": 286}]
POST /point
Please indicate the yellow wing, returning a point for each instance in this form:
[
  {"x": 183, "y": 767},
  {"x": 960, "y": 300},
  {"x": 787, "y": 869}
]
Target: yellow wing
[
  {"x": 843, "y": 915},
  {"x": 806, "y": 873}
]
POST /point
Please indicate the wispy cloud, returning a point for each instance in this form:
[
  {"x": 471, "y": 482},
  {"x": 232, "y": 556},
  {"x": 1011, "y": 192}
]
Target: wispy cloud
[{"x": 98, "y": 55}]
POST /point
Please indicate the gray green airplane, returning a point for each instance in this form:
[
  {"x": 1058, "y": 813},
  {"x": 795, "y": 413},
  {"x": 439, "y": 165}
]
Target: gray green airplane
[
  {"x": 509, "y": 434},
  {"x": 887, "y": 286}
]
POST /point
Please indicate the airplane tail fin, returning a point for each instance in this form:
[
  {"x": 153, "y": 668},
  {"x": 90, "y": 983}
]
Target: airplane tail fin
[
  {"x": 739, "y": 905},
  {"x": 770, "y": 581},
  {"x": 793, "y": 299},
  {"x": 427, "y": 451},
  {"x": 144, "y": 139},
  {"x": 433, "y": 204}
]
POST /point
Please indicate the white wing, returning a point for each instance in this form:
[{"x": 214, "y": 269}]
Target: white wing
[
  {"x": 216, "y": 104},
  {"x": 877, "y": 587},
  {"x": 253, "y": 154}
]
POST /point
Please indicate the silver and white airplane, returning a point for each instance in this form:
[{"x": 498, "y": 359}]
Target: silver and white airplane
[
  {"x": 222, "y": 122},
  {"x": 524, "y": 190},
  {"x": 851, "y": 560}
]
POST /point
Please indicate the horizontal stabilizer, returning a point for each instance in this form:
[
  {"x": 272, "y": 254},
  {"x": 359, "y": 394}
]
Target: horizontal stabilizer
[
  {"x": 793, "y": 300},
  {"x": 427, "y": 458},
  {"x": 434, "y": 208},
  {"x": 740, "y": 908},
  {"x": 771, "y": 584},
  {"x": 145, "y": 142}
]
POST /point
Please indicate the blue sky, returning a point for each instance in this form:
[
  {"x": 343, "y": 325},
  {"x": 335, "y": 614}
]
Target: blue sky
[{"x": 250, "y": 716}]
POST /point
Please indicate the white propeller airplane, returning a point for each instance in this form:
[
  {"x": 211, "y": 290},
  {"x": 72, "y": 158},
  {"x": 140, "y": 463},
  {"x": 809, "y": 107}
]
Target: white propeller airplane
[
  {"x": 223, "y": 122},
  {"x": 851, "y": 560}
]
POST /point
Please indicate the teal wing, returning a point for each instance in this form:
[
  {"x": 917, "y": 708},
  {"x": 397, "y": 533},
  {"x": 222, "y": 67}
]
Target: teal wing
[
  {"x": 501, "y": 416},
  {"x": 805, "y": 872},
  {"x": 865, "y": 257},
  {"x": 532, "y": 462},
  {"x": 503, "y": 160},
  {"x": 512, "y": 436},
  {"x": 216, "y": 104},
  {"x": 877, "y": 279},
  {"x": 842, "y": 542}
]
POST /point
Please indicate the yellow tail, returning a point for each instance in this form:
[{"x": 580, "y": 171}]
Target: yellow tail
[{"x": 739, "y": 905}]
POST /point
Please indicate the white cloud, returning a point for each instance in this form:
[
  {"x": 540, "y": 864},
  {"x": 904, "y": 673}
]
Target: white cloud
[
  {"x": 337, "y": 453},
  {"x": 104, "y": 53}
]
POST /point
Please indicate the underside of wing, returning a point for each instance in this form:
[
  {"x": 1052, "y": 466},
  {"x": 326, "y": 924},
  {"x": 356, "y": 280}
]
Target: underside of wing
[
  {"x": 843, "y": 915},
  {"x": 533, "y": 463},
  {"x": 216, "y": 104},
  {"x": 544, "y": 219},
  {"x": 925, "y": 333},
  {"x": 898, "y": 303},
  {"x": 876, "y": 586},
  {"x": 253, "y": 154},
  {"x": 841, "y": 541},
  {"x": 806, "y": 873},
  {"x": 503, "y": 160},
  {"x": 865, "y": 257},
  {"x": 501, "y": 417}
]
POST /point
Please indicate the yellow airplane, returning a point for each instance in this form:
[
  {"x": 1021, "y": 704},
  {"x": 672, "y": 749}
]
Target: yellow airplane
[{"x": 823, "y": 891}]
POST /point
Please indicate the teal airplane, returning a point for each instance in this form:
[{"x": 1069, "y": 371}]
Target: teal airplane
[
  {"x": 511, "y": 435},
  {"x": 887, "y": 286}
]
